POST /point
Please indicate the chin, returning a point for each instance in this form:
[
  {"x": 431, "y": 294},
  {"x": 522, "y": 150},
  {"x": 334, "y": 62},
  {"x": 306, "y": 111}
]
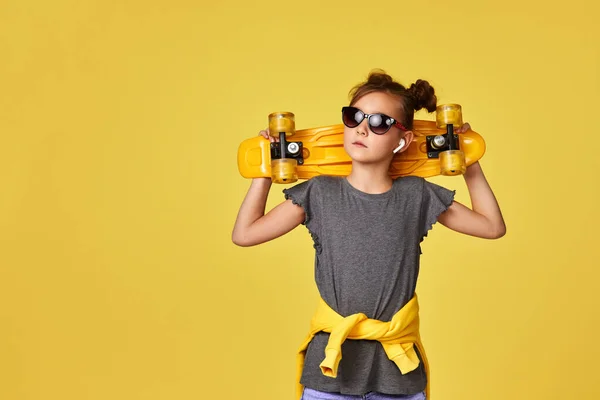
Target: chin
[
  {"x": 363, "y": 159},
  {"x": 361, "y": 156}
]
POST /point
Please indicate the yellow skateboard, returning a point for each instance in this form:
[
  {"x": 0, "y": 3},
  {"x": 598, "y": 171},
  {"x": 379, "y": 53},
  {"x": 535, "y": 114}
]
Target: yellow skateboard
[{"x": 435, "y": 150}]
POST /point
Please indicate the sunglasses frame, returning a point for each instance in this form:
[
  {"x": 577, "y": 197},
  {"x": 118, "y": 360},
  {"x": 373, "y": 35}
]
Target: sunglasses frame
[{"x": 368, "y": 116}]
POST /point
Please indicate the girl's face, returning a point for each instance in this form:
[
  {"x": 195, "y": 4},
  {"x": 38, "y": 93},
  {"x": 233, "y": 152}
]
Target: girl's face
[{"x": 361, "y": 144}]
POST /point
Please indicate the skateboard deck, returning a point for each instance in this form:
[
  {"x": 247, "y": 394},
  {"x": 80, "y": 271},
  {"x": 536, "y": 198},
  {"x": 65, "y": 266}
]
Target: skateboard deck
[{"x": 323, "y": 152}]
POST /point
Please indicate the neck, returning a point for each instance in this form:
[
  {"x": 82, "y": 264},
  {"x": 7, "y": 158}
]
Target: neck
[{"x": 370, "y": 178}]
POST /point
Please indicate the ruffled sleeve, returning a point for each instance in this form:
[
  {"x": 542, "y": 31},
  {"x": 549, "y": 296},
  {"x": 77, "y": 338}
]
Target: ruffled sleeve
[
  {"x": 306, "y": 195},
  {"x": 435, "y": 200}
]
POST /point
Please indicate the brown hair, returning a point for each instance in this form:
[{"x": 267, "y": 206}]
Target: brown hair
[{"x": 419, "y": 95}]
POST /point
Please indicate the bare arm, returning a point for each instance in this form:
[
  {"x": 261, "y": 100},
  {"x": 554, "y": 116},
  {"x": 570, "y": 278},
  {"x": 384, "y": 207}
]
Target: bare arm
[
  {"x": 485, "y": 219},
  {"x": 252, "y": 226}
]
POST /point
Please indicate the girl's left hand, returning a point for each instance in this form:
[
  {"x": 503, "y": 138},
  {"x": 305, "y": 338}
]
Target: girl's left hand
[{"x": 466, "y": 126}]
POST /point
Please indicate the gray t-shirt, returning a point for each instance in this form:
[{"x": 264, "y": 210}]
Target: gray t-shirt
[{"x": 367, "y": 260}]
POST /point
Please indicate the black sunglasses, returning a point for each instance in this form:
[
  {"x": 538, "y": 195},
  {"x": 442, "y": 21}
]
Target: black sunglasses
[{"x": 378, "y": 123}]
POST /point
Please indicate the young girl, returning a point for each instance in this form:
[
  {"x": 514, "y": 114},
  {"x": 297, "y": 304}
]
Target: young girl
[{"x": 367, "y": 229}]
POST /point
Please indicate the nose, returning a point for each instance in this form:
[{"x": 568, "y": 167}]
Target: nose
[{"x": 363, "y": 128}]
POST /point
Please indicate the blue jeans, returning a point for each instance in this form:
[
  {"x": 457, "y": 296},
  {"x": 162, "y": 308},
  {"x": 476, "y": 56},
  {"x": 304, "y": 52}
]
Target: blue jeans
[{"x": 311, "y": 394}]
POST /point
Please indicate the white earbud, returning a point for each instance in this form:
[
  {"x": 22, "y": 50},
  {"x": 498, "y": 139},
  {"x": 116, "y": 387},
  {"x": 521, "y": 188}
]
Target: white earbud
[{"x": 399, "y": 147}]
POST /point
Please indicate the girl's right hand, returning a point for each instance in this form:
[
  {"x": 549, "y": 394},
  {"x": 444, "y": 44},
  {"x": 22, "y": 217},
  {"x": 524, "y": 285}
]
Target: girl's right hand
[
  {"x": 265, "y": 133},
  {"x": 265, "y": 181}
]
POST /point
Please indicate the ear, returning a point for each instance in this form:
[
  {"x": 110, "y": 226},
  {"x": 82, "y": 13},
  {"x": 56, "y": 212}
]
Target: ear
[{"x": 408, "y": 138}]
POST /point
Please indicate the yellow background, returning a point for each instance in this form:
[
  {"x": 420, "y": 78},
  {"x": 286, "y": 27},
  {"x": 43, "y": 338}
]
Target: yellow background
[{"x": 119, "y": 125}]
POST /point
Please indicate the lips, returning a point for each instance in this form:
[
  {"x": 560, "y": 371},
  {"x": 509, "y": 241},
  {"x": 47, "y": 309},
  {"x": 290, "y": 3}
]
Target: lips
[{"x": 359, "y": 144}]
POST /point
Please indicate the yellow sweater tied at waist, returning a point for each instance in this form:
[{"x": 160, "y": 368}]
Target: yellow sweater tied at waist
[{"x": 398, "y": 338}]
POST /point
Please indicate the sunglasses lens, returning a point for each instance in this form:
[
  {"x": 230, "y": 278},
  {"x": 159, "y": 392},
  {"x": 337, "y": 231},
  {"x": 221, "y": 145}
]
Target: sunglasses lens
[
  {"x": 352, "y": 116},
  {"x": 380, "y": 123}
]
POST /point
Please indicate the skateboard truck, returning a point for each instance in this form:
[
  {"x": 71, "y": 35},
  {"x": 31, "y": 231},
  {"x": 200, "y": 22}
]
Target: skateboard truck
[
  {"x": 285, "y": 155},
  {"x": 446, "y": 147}
]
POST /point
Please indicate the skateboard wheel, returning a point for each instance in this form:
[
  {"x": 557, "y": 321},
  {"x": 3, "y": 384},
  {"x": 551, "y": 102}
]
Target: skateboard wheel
[
  {"x": 452, "y": 162},
  {"x": 283, "y": 170},
  {"x": 282, "y": 122},
  {"x": 448, "y": 114}
]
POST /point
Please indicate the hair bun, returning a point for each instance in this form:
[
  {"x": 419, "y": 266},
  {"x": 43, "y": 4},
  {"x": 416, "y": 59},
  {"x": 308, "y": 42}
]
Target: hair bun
[
  {"x": 423, "y": 96},
  {"x": 379, "y": 78}
]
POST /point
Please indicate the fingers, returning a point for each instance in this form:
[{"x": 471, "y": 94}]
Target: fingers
[
  {"x": 271, "y": 138},
  {"x": 265, "y": 133},
  {"x": 466, "y": 126}
]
